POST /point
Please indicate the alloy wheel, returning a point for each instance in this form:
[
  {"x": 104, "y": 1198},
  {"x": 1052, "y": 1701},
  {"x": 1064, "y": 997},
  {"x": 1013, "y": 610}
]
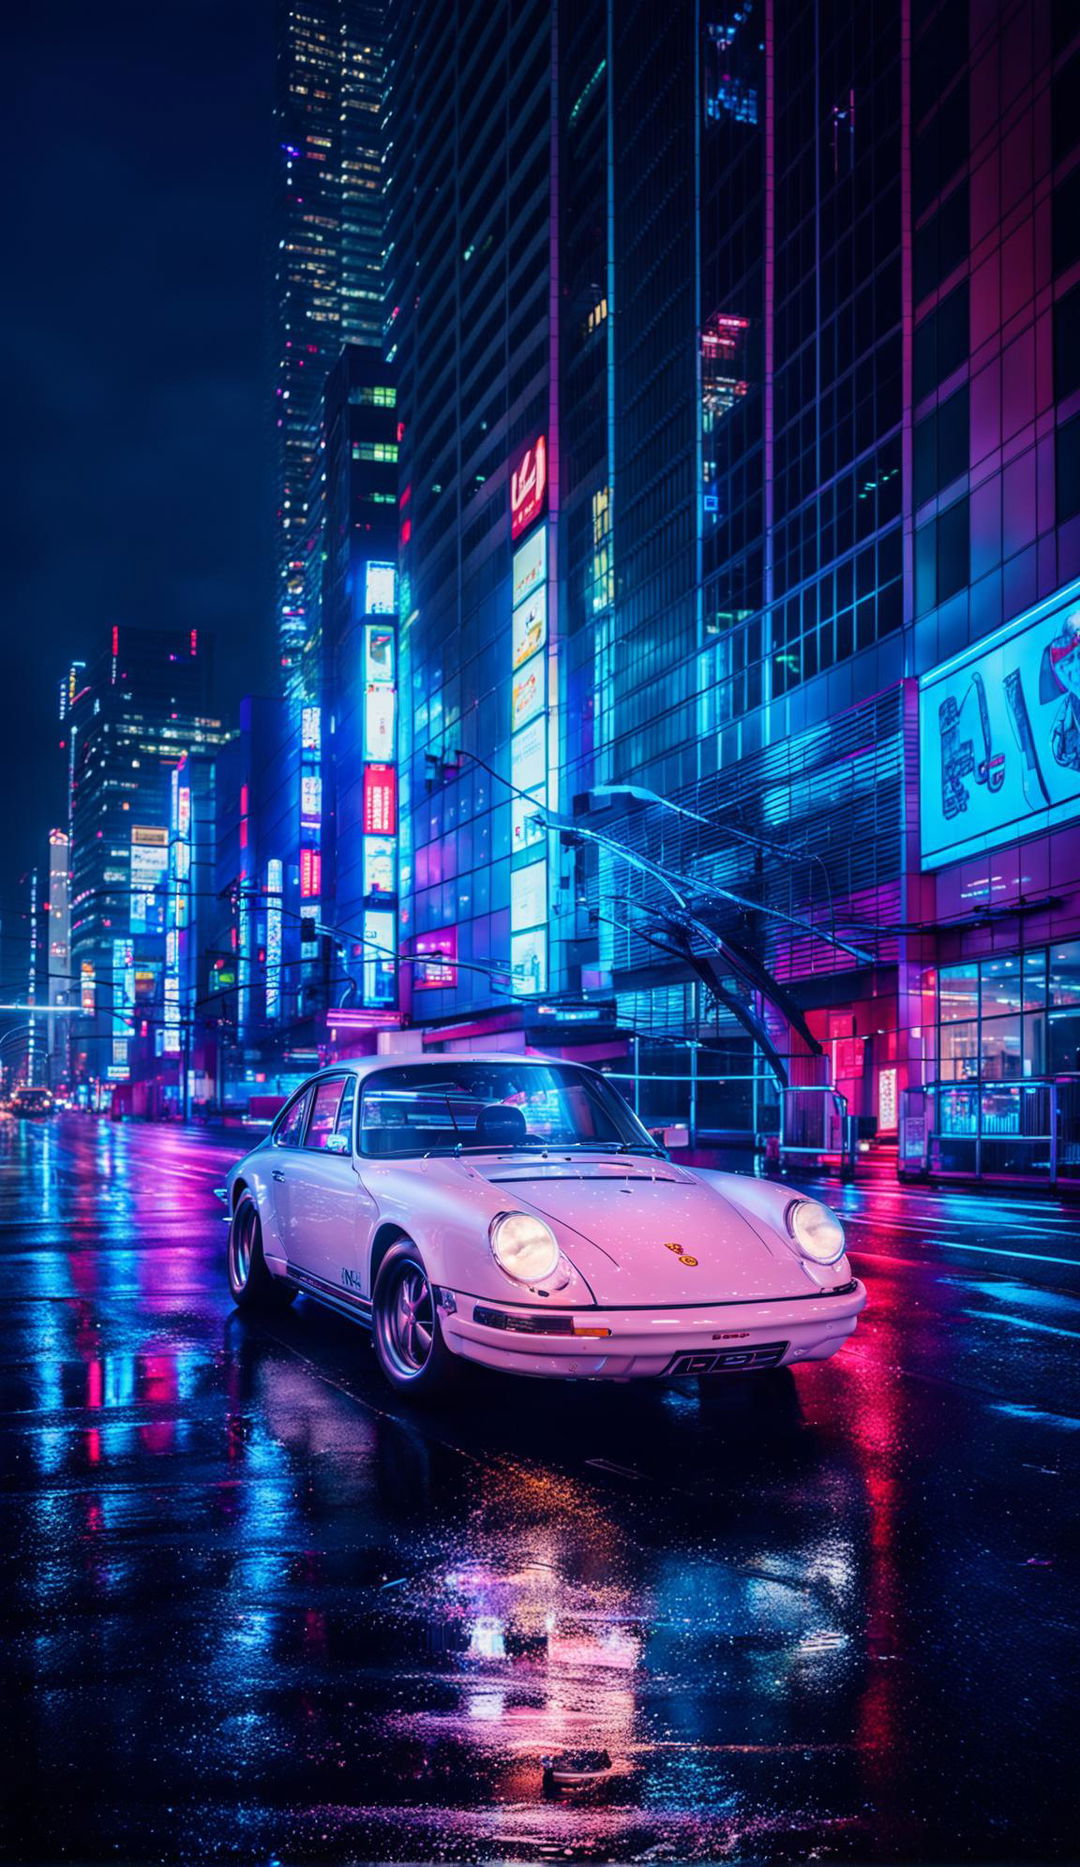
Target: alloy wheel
[{"x": 406, "y": 1321}]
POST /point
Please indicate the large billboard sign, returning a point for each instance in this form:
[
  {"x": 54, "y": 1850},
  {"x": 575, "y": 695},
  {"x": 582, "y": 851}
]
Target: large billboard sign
[
  {"x": 380, "y": 800},
  {"x": 528, "y": 485},
  {"x": 999, "y": 732}
]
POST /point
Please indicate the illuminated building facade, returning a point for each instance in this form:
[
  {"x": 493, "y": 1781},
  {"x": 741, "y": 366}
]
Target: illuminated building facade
[
  {"x": 790, "y": 300},
  {"x": 357, "y": 649},
  {"x": 58, "y": 1063},
  {"x": 141, "y": 707},
  {"x": 328, "y": 284}
]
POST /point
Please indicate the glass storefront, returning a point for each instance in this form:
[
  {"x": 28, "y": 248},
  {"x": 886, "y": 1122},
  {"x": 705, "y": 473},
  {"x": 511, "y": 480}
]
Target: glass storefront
[{"x": 1007, "y": 1045}]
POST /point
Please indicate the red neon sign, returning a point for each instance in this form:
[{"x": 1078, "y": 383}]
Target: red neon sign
[
  {"x": 380, "y": 800},
  {"x": 528, "y": 486},
  {"x": 440, "y": 970},
  {"x": 310, "y": 874}
]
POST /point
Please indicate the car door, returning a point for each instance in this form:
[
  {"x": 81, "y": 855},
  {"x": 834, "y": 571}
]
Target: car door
[
  {"x": 325, "y": 1195},
  {"x": 284, "y": 1147}
]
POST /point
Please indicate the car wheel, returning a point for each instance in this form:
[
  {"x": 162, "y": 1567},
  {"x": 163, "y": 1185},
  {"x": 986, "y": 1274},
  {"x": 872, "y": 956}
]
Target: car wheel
[
  {"x": 251, "y": 1285},
  {"x": 409, "y": 1341}
]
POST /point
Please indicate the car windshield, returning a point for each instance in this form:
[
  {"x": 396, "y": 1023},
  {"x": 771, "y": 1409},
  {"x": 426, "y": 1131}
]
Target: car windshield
[{"x": 477, "y": 1107}]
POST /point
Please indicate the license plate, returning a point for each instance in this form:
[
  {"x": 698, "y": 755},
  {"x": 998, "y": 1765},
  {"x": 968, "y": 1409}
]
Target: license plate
[{"x": 728, "y": 1360}]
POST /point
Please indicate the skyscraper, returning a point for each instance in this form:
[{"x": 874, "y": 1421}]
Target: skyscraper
[
  {"x": 328, "y": 283},
  {"x": 141, "y": 708},
  {"x": 739, "y": 409}
]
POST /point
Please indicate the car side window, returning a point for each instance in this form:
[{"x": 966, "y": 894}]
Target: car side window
[
  {"x": 344, "y": 1124},
  {"x": 324, "y": 1112},
  {"x": 291, "y": 1126}
]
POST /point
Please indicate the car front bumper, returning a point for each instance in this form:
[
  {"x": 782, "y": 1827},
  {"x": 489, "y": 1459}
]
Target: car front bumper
[{"x": 715, "y": 1338}]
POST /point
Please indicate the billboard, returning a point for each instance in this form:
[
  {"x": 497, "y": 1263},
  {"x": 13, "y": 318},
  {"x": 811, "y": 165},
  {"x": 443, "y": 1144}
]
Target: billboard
[
  {"x": 378, "y": 865},
  {"x": 380, "y": 800},
  {"x": 529, "y": 567},
  {"x": 528, "y": 960},
  {"x": 440, "y": 970},
  {"x": 379, "y": 704},
  {"x": 149, "y": 867},
  {"x": 529, "y": 625},
  {"x": 528, "y": 485},
  {"x": 527, "y": 693},
  {"x": 378, "y": 652},
  {"x": 528, "y": 896},
  {"x": 379, "y": 594},
  {"x": 999, "y": 729}
]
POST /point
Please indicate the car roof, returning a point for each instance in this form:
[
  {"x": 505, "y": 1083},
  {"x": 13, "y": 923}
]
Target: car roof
[{"x": 392, "y": 1060}]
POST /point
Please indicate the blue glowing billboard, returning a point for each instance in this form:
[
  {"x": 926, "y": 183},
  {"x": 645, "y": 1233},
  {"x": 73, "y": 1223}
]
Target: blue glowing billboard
[{"x": 999, "y": 729}]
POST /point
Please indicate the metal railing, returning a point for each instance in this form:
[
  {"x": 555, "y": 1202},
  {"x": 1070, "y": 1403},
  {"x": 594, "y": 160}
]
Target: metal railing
[{"x": 1024, "y": 1130}]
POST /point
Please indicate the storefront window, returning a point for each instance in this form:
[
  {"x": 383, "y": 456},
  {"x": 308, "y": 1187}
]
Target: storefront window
[
  {"x": 1002, "y": 986},
  {"x": 958, "y": 993},
  {"x": 1063, "y": 1043},
  {"x": 1000, "y": 1049},
  {"x": 1065, "y": 974},
  {"x": 958, "y": 1112},
  {"x": 959, "y": 1052},
  {"x": 1034, "y": 980}
]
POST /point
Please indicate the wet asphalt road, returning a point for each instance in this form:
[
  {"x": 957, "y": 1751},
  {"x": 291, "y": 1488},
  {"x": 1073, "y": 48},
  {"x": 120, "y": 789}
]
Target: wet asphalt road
[{"x": 255, "y": 1608}]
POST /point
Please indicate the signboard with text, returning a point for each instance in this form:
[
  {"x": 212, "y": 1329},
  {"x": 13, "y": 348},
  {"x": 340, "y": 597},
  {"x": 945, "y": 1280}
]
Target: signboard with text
[{"x": 999, "y": 732}]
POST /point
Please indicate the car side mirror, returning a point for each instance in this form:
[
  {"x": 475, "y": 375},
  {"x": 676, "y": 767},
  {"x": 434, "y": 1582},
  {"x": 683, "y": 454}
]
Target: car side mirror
[{"x": 337, "y": 1144}]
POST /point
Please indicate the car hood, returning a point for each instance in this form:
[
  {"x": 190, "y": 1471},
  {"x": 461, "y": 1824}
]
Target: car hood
[{"x": 628, "y": 1216}]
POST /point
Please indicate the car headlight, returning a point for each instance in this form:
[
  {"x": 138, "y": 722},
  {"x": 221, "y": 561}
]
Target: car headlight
[
  {"x": 816, "y": 1230},
  {"x": 524, "y": 1247}
]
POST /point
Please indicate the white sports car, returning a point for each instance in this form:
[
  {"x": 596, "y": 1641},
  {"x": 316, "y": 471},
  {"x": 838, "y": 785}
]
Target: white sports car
[{"x": 513, "y": 1211}]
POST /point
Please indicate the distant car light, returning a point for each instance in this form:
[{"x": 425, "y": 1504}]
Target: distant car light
[
  {"x": 524, "y": 1247},
  {"x": 816, "y": 1230}
]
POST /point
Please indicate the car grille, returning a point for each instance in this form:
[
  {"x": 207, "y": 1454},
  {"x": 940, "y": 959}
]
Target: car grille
[{"x": 728, "y": 1360}]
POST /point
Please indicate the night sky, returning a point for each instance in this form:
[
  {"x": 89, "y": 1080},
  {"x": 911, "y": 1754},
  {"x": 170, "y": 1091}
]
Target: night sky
[{"x": 134, "y": 350}]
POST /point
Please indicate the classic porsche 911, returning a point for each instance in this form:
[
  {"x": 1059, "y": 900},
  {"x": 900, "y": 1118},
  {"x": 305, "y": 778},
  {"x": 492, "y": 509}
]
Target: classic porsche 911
[{"x": 513, "y": 1211}]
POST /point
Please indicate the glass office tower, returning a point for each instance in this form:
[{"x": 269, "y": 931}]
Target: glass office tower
[
  {"x": 328, "y": 280},
  {"x": 141, "y": 707},
  {"x": 739, "y": 546}
]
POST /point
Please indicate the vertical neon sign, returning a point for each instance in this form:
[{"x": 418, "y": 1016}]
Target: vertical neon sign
[{"x": 529, "y": 717}]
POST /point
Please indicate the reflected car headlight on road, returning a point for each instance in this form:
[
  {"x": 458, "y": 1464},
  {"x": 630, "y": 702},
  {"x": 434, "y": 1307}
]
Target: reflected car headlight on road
[
  {"x": 816, "y": 1230},
  {"x": 524, "y": 1247}
]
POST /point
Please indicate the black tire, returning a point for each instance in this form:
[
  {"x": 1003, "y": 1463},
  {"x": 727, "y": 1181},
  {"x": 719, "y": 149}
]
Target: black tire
[
  {"x": 407, "y": 1330},
  {"x": 251, "y": 1285}
]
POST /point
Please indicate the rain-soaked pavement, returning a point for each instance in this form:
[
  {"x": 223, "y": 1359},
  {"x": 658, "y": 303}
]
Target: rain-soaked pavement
[{"x": 254, "y": 1607}]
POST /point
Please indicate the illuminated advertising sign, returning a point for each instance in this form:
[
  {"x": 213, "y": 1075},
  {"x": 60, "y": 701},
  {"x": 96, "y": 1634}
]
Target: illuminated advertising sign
[
  {"x": 527, "y": 693},
  {"x": 310, "y": 874},
  {"x": 171, "y": 1044},
  {"x": 529, "y": 626},
  {"x": 379, "y": 708},
  {"x": 379, "y": 958},
  {"x": 378, "y": 652},
  {"x": 379, "y": 595},
  {"x": 123, "y": 968},
  {"x": 1000, "y": 735},
  {"x": 310, "y": 798},
  {"x": 310, "y": 729},
  {"x": 380, "y": 800},
  {"x": 528, "y": 960},
  {"x": 528, "y": 896},
  {"x": 528, "y": 775},
  {"x": 275, "y": 875},
  {"x": 441, "y": 970},
  {"x": 183, "y": 811},
  {"x": 378, "y": 865},
  {"x": 528, "y": 485},
  {"x": 149, "y": 866},
  {"x": 529, "y": 567},
  {"x": 527, "y": 824},
  {"x": 86, "y": 985}
]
